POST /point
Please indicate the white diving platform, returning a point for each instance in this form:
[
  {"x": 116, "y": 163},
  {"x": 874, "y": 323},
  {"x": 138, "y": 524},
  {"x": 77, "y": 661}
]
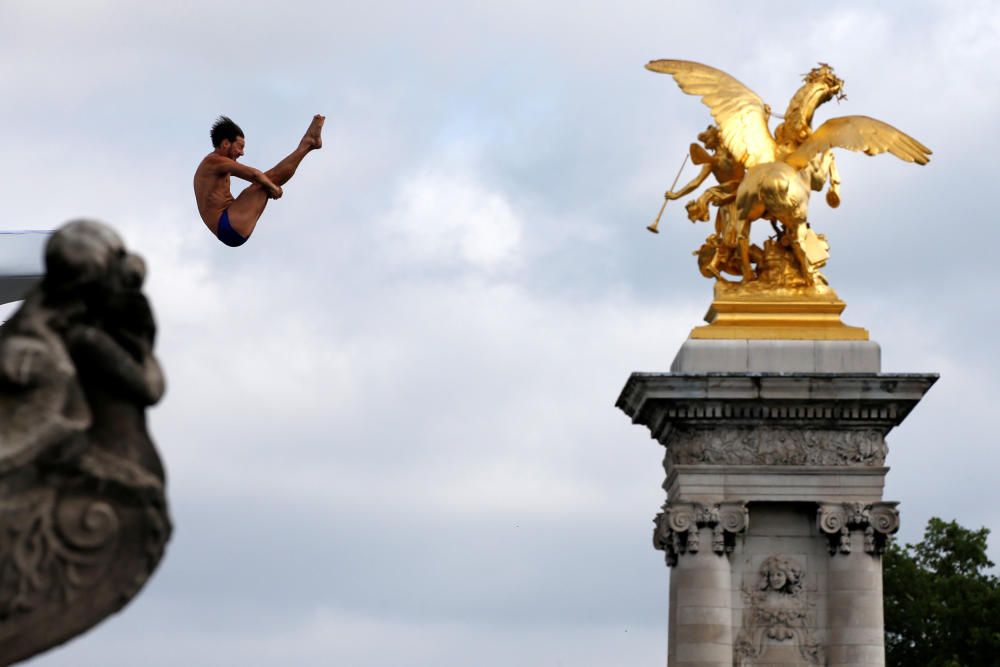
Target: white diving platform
[{"x": 22, "y": 262}]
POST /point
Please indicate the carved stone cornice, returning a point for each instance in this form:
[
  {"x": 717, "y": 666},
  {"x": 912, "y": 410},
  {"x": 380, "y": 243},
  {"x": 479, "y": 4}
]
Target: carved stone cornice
[
  {"x": 817, "y": 401},
  {"x": 770, "y": 445},
  {"x": 877, "y": 521},
  {"x": 676, "y": 527}
]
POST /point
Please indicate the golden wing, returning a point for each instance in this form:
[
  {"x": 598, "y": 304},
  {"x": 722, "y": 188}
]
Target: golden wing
[
  {"x": 860, "y": 133},
  {"x": 741, "y": 115}
]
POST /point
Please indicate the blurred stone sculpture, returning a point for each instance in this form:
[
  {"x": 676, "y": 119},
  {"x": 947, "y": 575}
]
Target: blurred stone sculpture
[{"x": 83, "y": 514}]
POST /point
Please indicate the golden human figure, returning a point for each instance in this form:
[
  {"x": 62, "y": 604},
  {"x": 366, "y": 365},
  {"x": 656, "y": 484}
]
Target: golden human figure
[
  {"x": 728, "y": 248},
  {"x": 783, "y": 168}
]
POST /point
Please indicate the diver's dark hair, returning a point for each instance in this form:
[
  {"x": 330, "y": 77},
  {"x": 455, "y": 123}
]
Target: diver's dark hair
[{"x": 224, "y": 128}]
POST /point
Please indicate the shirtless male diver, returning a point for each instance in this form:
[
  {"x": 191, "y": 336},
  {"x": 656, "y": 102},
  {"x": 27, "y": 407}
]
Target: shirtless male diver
[{"x": 233, "y": 220}]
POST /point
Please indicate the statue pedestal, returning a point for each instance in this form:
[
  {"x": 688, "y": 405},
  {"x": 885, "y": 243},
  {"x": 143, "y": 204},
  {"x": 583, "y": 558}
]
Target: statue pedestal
[
  {"x": 774, "y": 523},
  {"x": 794, "y": 316}
]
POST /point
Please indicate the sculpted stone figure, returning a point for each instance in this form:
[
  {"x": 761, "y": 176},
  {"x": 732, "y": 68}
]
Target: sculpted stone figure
[
  {"x": 82, "y": 505},
  {"x": 781, "y": 575},
  {"x": 779, "y": 611}
]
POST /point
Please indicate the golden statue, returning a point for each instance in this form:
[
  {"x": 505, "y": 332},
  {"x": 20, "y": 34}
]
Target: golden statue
[{"x": 770, "y": 177}]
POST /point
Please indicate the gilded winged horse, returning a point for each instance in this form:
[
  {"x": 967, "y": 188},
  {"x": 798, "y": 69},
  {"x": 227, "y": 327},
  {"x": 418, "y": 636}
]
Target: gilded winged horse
[{"x": 783, "y": 168}]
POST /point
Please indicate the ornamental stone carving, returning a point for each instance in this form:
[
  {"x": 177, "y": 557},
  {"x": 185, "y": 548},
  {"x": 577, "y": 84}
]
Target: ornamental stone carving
[
  {"x": 677, "y": 527},
  {"x": 779, "y": 609},
  {"x": 777, "y": 446},
  {"x": 83, "y": 511},
  {"x": 877, "y": 521}
]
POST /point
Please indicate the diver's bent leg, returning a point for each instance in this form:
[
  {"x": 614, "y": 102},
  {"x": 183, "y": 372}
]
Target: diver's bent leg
[
  {"x": 311, "y": 140},
  {"x": 246, "y": 209},
  {"x": 282, "y": 172}
]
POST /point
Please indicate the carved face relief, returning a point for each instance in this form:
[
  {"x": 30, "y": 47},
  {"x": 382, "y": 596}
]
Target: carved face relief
[{"x": 781, "y": 575}]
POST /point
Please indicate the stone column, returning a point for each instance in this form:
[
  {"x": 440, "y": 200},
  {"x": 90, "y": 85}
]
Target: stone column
[
  {"x": 696, "y": 539},
  {"x": 857, "y": 535},
  {"x": 773, "y": 432}
]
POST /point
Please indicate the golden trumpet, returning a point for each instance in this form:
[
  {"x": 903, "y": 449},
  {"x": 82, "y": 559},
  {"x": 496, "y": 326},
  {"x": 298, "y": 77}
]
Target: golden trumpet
[{"x": 656, "y": 223}]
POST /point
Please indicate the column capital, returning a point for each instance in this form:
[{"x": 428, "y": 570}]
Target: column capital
[
  {"x": 877, "y": 520},
  {"x": 678, "y": 523}
]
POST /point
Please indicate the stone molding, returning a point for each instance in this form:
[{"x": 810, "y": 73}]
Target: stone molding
[
  {"x": 670, "y": 404},
  {"x": 677, "y": 527},
  {"x": 768, "y": 445},
  {"x": 719, "y": 410},
  {"x": 877, "y": 520},
  {"x": 65, "y": 545}
]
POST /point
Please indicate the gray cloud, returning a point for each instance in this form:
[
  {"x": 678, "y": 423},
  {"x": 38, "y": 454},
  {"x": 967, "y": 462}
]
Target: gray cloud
[{"x": 390, "y": 430}]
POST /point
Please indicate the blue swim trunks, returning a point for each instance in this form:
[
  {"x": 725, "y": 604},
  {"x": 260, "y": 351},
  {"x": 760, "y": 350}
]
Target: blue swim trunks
[{"x": 226, "y": 233}]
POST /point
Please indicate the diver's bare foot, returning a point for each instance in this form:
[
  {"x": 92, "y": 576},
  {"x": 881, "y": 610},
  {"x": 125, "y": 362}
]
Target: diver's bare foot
[{"x": 312, "y": 139}]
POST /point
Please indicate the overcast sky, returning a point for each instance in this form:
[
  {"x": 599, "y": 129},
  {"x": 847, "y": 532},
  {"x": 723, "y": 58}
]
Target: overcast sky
[{"x": 390, "y": 429}]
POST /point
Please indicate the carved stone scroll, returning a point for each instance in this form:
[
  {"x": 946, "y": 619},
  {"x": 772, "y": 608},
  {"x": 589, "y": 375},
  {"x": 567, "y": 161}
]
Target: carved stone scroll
[
  {"x": 877, "y": 521},
  {"x": 676, "y": 527},
  {"x": 83, "y": 511}
]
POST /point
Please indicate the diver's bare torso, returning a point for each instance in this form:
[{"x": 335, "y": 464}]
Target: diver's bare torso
[{"x": 212, "y": 189}]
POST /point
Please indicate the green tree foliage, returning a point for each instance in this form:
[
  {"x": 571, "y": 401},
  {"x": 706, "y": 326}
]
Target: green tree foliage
[{"x": 942, "y": 604}]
